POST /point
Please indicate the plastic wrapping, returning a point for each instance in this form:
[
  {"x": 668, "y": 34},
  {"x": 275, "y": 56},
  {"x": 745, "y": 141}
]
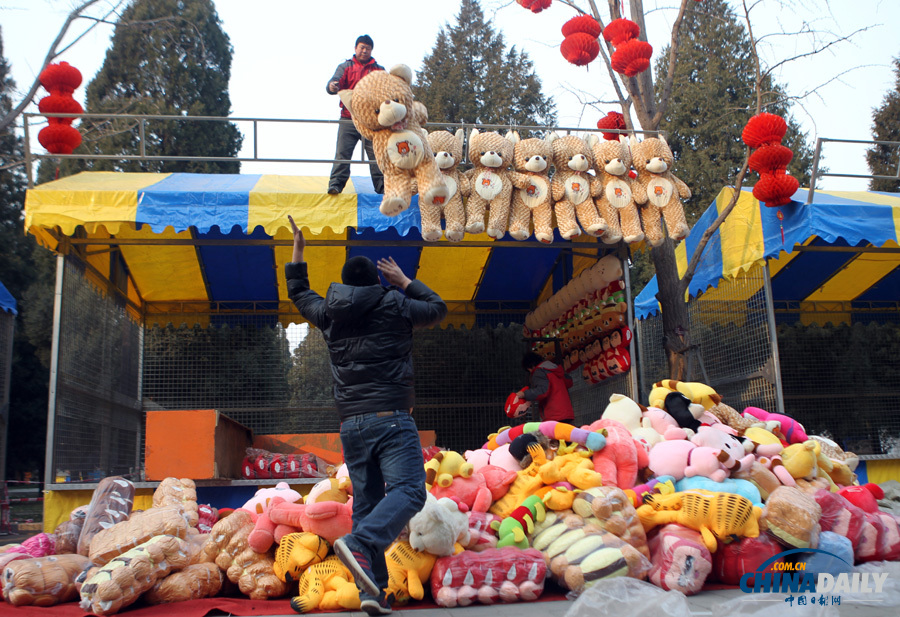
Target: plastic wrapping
[
  {"x": 680, "y": 559},
  {"x": 889, "y": 547},
  {"x": 207, "y": 517},
  {"x": 734, "y": 560},
  {"x": 610, "y": 509},
  {"x": 841, "y": 516},
  {"x": 40, "y": 545},
  {"x": 873, "y": 534},
  {"x": 9, "y": 555},
  {"x": 178, "y": 491},
  {"x": 228, "y": 538},
  {"x": 631, "y": 597},
  {"x": 494, "y": 575},
  {"x": 792, "y": 516},
  {"x": 110, "y": 543},
  {"x": 44, "y": 581},
  {"x": 119, "y": 583},
  {"x": 264, "y": 464},
  {"x": 111, "y": 503},
  {"x": 201, "y": 580},
  {"x": 837, "y": 557},
  {"x": 481, "y": 536},
  {"x": 67, "y": 532}
]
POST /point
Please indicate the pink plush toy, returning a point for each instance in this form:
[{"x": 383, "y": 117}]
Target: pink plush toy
[
  {"x": 499, "y": 457},
  {"x": 41, "y": 545},
  {"x": 260, "y": 501},
  {"x": 663, "y": 423},
  {"x": 472, "y": 491},
  {"x": 327, "y": 519},
  {"x": 617, "y": 463},
  {"x": 720, "y": 439},
  {"x": 792, "y": 430},
  {"x": 683, "y": 459},
  {"x": 498, "y": 480}
]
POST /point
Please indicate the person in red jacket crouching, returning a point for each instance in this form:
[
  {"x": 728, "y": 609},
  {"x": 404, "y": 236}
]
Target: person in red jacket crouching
[{"x": 549, "y": 386}]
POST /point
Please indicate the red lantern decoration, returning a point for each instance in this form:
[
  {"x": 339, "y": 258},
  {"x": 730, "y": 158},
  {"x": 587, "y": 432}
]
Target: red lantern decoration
[
  {"x": 580, "y": 48},
  {"x": 582, "y": 23},
  {"x": 775, "y": 189},
  {"x": 764, "y": 129},
  {"x": 612, "y": 120},
  {"x": 632, "y": 57},
  {"x": 60, "y": 78},
  {"x": 535, "y": 6},
  {"x": 59, "y": 138},
  {"x": 620, "y": 30},
  {"x": 59, "y": 104},
  {"x": 770, "y": 159}
]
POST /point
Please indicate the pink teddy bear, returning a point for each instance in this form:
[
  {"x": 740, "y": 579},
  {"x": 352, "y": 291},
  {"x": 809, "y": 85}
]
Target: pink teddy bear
[{"x": 684, "y": 459}]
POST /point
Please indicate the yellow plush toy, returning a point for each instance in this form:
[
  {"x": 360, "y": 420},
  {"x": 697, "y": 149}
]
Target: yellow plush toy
[
  {"x": 328, "y": 586},
  {"x": 445, "y": 466},
  {"x": 805, "y": 461},
  {"x": 296, "y": 552},
  {"x": 407, "y": 568},
  {"x": 384, "y": 112},
  {"x": 722, "y": 516}
]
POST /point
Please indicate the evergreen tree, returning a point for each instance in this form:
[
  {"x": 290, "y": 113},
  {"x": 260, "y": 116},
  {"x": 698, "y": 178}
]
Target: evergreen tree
[
  {"x": 470, "y": 76},
  {"x": 883, "y": 159},
  {"x": 27, "y": 272},
  {"x": 168, "y": 57}
]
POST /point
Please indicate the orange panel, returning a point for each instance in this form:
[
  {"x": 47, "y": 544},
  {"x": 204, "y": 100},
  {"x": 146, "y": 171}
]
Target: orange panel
[{"x": 326, "y": 446}]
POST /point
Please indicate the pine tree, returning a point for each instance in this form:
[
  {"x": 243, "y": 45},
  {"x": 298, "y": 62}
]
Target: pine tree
[
  {"x": 713, "y": 98},
  {"x": 26, "y": 270},
  {"x": 883, "y": 159},
  {"x": 168, "y": 57},
  {"x": 470, "y": 76}
]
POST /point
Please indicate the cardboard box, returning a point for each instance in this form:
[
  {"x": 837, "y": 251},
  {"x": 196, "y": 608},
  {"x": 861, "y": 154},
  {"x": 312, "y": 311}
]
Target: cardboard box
[{"x": 200, "y": 444}]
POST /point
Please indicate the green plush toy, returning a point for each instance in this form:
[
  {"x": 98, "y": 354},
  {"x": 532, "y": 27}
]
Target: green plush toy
[{"x": 514, "y": 529}]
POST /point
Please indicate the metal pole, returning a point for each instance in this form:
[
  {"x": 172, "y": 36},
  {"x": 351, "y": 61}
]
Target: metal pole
[
  {"x": 49, "y": 471},
  {"x": 143, "y": 138},
  {"x": 773, "y": 339},
  {"x": 255, "y": 141},
  {"x": 632, "y": 374},
  {"x": 815, "y": 170},
  {"x": 28, "y": 164}
]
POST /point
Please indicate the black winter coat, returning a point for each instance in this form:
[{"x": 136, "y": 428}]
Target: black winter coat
[{"x": 368, "y": 331}]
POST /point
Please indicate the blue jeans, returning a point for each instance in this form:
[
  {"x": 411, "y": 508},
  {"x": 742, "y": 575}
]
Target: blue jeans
[{"x": 384, "y": 458}]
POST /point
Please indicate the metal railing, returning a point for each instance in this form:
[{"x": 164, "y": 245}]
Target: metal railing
[
  {"x": 140, "y": 124},
  {"x": 821, "y": 174}
]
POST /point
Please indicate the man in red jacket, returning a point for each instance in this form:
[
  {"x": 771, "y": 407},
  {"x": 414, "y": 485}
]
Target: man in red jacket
[
  {"x": 346, "y": 76},
  {"x": 549, "y": 387}
]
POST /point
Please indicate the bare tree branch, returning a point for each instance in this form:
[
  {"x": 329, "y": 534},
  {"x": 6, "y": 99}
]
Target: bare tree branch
[{"x": 673, "y": 58}]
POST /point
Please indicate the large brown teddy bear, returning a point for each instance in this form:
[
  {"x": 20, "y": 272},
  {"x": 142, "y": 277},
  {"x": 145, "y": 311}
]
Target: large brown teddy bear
[
  {"x": 531, "y": 199},
  {"x": 658, "y": 190},
  {"x": 571, "y": 187},
  {"x": 448, "y": 153},
  {"x": 491, "y": 185},
  {"x": 385, "y": 113},
  {"x": 612, "y": 190}
]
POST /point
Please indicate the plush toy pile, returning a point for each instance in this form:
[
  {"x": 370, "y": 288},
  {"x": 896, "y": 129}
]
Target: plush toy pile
[
  {"x": 680, "y": 492},
  {"x": 505, "y": 186}
]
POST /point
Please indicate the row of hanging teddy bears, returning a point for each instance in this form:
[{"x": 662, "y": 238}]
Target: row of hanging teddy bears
[{"x": 591, "y": 186}]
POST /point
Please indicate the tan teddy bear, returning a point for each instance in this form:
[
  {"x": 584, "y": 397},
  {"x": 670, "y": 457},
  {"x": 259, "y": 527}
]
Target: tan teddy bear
[
  {"x": 658, "y": 190},
  {"x": 448, "y": 153},
  {"x": 612, "y": 190},
  {"x": 531, "y": 199},
  {"x": 571, "y": 187},
  {"x": 490, "y": 183},
  {"x": 385, "y": 113}
]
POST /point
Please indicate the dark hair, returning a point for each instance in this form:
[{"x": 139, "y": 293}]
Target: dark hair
[
  {"x": 359, "y": 271},
  {"x": 531, "y": 360},
  {"x": 365, "y": 38}
]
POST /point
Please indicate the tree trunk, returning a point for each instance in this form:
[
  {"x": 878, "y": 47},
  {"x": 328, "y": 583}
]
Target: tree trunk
[{"x": 676, "y": 324}]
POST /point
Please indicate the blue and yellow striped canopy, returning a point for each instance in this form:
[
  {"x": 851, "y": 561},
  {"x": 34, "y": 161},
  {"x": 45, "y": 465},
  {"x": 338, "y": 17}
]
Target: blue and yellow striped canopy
[
  {"x": 7, "y": 302},
  {"x": 825, "y": 269},
  {"x": 203, "y": 238}
]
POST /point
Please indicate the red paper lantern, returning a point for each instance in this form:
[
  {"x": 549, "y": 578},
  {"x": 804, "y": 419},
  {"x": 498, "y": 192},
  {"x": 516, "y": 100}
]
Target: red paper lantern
[
  {"x": 770, "y": 159},
  {"x": 775, "y": 190},
  {"x": 632, "y": 57},
  {"x": 620, "y": 30},
  {"x": 59, "y": 138},
  {"x": 580, "y": 48},
  {"x": 60, "y": 78},
  {"x": 612, "y": 120},
  {"x": 764, "y": 129},
  {"x": 59, "y": 104},
  {"x": 535, "y": 6},
  {"x": 581, "y": 23}
]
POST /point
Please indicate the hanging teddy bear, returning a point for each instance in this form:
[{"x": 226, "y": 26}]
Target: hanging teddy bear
[
  {"x": 385, "y": 113},
  {"x": 448, "y": 152},
  {"x": 612, "y": 190},
  {"x": 531, "y": 199},
  {"x": 571, "y": 188},
  {"x": 658, "y": 190},
  {"x": 491, "y": 185}
]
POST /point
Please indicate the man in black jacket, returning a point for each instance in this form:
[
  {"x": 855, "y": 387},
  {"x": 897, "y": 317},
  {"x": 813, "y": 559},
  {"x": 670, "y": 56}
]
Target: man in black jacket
[{"x": 368, "y": 329}]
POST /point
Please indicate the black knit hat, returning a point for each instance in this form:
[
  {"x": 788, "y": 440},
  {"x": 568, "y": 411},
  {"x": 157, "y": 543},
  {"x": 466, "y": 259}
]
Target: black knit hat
[
  {"x": 365, "y": 38},
  {"x": 519, "y": 446},
  {"x": 359, "y": 271}
]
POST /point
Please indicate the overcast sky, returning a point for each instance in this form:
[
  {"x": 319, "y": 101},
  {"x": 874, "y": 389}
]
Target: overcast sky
[{"x": 285, "y": 50}]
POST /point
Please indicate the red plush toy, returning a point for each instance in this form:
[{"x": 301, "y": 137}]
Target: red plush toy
[
  {"x": 681, "y": 560},
  {"x": 516, "y": 407},
  {"x": 734, "y": 560},
  {"x": 864, "y": 496}
]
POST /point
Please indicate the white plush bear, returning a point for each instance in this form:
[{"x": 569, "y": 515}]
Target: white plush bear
[{"x": 438, "y": 526}]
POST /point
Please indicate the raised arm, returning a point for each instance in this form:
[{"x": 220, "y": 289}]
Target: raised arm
[
  {"x": 310, "y": 304},
  {"x": 423, "y": 307}
]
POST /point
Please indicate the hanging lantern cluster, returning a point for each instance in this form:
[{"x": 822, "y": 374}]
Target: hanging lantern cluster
[
  {"x": 60, "y": 80},
  {"x": 580, "y": 45},
  {"x": 611, "y": 121},
  {"x": 763, "y": 134},
  {"x": 535, "y": 6},
  {"x": 631, "y": 56}
]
